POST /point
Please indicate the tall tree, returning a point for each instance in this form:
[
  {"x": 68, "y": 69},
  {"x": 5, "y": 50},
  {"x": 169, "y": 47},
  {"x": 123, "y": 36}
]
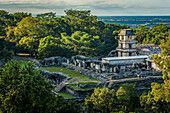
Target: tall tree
[
  {"x": 141, "y": 34},
  {"x": 31, "y": 44},
  {"x": 24, "y": 89},
  {"x": 77, "y": 13},
  {"x": 82, "y": 43},
  {"x": 27, "y": 27},
  {"x": 102, "y": 100},
  {"x": 51, "y": 46},
  {"x": 127, "y": 98}
]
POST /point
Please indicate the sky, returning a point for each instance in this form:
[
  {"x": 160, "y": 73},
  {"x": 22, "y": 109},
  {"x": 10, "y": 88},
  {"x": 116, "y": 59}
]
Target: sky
[{"x": 97, "y": 7}]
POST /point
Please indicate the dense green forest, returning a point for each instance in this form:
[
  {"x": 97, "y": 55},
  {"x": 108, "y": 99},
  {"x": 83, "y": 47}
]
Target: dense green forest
[
  {"x": 78, "y": 32},
  {"x": 153, "y": 35}
]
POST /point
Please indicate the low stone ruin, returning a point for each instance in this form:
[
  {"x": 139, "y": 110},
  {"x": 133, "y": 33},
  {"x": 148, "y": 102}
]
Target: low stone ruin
[
  {"x": 53, "y": 61},
  {"x": 55, "y": 76}
]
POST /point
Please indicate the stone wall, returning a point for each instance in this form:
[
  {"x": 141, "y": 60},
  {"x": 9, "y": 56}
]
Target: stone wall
[
  {"x": 142, "y": 85},
  {"x": 60, "y": 76},
  {"x": 134, "y": 73},
  {"x": 100, "y": 85}
]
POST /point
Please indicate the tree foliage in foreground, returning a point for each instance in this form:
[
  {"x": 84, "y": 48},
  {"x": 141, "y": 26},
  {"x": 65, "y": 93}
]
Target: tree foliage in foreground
[
  {"x": 158, "y": 100},
  {"x": 127, "y": 99},
  {"x": 24, "y": 90},
  {"x": 102, "y": 100},
  {"x": 106, "y": 101}
]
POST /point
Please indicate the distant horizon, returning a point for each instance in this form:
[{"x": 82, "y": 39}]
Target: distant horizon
[
  {"x": 94, "y": 14},
  {"x": 107, "y": 15}
]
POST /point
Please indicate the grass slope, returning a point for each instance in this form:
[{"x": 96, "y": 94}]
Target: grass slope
[{"x": 65, "y": 95}]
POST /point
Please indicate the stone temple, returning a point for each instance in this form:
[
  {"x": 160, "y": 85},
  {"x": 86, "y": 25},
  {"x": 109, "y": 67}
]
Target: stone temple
[{"x": 127, "y": 44}]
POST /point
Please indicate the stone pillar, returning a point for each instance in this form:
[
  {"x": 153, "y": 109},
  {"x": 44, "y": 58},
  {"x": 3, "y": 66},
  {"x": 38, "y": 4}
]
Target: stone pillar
[
  {"x": 121, "y": 37},
  {"x": 114, "y": 69},
  {"x": 68, "y": 61},
  {"x": 97, "y": 66},
  {"x": 147, "y": 63},
  {"x": 91, "y": 64},
  {"x": 53, "y": 63},
  {"x": 79, "y": 64},
  {"x": 45, "y": 63},
  {"x": 133, "y": 37},
  {"x": 83, "y": 63},
  {"x": 119, "y": 54},
  {"x": 110, "y": 69},
  {"x": 125, "y": 37},
  {"x": 104, "y": 68},
  {"x": 75, "y": 63},
  {"x": 85, "y": 66}
]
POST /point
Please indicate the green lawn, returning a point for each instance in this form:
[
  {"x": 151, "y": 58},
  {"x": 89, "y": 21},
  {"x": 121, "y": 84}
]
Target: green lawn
[
  {"x": 79, "y": 77},
  {"x": 65, "y": 95}
]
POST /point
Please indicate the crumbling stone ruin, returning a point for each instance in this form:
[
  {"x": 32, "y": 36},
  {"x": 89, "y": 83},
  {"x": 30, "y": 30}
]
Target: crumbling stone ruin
[
  {"x": 55, "y": 76},
  {"x": 53, "y": 61}
]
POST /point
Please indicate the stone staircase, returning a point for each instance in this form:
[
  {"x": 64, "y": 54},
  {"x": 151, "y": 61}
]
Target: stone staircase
[{"x": 59, "y": 87}]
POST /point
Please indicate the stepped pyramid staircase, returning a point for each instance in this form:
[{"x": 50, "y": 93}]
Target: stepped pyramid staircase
[{"x": 61, "y": 86}]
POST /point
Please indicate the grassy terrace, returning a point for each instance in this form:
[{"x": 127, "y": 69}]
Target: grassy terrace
[
  {"x": 82, "y": 79},
  {"x": 65, "y": 95}
]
